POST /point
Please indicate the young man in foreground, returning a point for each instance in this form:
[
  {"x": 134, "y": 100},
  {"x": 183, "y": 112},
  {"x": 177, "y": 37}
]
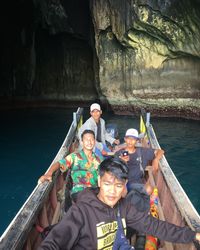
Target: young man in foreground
[{"x": 91, "y": 223}]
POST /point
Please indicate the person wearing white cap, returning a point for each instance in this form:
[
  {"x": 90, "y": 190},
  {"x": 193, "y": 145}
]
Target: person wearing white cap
[
  {"x": 138, "y": 158},
  {"x": 97, "y": 124}
]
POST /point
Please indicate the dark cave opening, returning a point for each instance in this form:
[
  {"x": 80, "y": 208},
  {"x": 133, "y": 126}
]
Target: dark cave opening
[{"x": 47, "y": 53}]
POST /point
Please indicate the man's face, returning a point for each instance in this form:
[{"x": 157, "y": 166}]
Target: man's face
[
  {"x": 111, "y": 189},
  {"x": 130, "y": 142},
  {"x": 88, "y": 141},
  {"x": 96, "y": 114}
]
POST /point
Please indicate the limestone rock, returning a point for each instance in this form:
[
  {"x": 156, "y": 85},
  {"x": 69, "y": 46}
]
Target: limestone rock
[{"x": 148, "y": 52}]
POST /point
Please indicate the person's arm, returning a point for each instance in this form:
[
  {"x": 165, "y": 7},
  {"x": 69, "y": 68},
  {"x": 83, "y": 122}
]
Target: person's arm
[
  {"x": 158, "y": 155},
  {"x": 110, "y": 139},
  {"x": 66, "y": 233},
  {"x": 105, "y": 136},
  {"x": 48, "y": 175},
  {"x": 62, "y": 164},
  {"x": 147, "y": 224}
]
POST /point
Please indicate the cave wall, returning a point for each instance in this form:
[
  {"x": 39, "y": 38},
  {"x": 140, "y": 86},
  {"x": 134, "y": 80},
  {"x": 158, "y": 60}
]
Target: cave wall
[
  {"x": 64, "y": 69},
  {"x": 149, "y": 53},
  {"x": 129, "y": 53},
  {"x": 47, "y": 51}
]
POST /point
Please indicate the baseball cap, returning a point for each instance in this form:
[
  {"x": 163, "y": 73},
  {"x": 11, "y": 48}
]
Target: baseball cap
[
  {"x": 131, "y": 132},
  {"x": 95, "y": 106}
]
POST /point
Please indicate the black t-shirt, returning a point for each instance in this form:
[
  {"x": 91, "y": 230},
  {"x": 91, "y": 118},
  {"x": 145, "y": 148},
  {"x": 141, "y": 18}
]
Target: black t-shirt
[
  {"x": 99, "y": 132},
  {"x": 138, "y": 162}
]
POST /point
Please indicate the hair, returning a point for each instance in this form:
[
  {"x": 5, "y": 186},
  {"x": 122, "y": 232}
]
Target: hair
[
  {"x": 115, "y": 166},
  {"x": 87, "y": 131}
]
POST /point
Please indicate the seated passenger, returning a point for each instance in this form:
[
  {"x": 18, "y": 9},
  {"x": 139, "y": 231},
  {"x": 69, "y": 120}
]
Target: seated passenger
[
  {"x": 82, "y": 164},
  {"x": 97, "y": 124},
  {"x": 138, "y": 158}
]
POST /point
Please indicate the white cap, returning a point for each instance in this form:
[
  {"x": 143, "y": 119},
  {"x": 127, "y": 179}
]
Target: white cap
[
  {"x": 95, "y": 106},
  {"x": 131, "y": 132}
]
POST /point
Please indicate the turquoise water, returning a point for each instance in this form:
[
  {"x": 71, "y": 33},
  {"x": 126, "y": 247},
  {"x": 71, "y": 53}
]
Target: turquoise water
[{"x": 30, "y": 139}]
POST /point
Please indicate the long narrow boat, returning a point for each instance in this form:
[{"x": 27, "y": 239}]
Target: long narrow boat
[{"x": 45, "y": 205}]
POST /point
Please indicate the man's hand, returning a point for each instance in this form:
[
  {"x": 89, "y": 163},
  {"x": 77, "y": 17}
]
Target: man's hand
[
  {"x": 117, "y": 142},
  {"x": 104, "y": 153},
  {"x": 197, "y": 237},
  {"x": 124, "y": 158},
  {"x": 46, "y": 177}
]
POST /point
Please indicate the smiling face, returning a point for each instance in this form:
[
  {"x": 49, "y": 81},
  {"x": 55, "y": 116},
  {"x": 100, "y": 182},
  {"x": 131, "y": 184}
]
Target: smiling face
[
  {"x": 96, "y": 114},
  {"x": 88, "y": 141},
  {"x": 130, "y": 142},
  {"x": 111, "y": 189}
]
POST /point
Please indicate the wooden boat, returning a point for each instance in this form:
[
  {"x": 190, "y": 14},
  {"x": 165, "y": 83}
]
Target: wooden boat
[{"x": 45, "y": 205}]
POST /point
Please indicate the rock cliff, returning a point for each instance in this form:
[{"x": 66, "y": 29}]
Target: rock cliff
[
  {"x": 128, "y": 53},
  {"x": 149, "y": 54}
]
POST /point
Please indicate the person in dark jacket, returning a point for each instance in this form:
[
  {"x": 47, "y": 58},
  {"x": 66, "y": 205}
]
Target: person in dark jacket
[{"x": 91, "y": 223}]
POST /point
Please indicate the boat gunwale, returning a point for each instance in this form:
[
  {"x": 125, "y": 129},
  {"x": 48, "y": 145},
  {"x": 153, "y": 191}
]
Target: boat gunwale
[{"x": 185, "y": 206}]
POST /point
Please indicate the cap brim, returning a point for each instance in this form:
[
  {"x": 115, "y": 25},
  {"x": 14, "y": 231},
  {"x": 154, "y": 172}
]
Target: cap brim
[
  {"x": 132, "y": 136},
  {"x": 95, "y": 109},
  {"x": 140, "y": 136}
]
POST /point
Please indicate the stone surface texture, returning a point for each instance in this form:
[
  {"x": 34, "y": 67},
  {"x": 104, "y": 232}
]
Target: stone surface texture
[
  {"x": 125, "y": 53},
  {"x": 149, "y": 54}
]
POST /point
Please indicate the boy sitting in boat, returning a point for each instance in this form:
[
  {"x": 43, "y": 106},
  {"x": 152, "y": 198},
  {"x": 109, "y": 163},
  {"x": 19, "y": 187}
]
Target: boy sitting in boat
[
  {"x": 82, "y": 164},
  {"x": 137, "y": 159},
  {"x": 99, "y": 218},
  {"x": 97, "y": 124}
]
